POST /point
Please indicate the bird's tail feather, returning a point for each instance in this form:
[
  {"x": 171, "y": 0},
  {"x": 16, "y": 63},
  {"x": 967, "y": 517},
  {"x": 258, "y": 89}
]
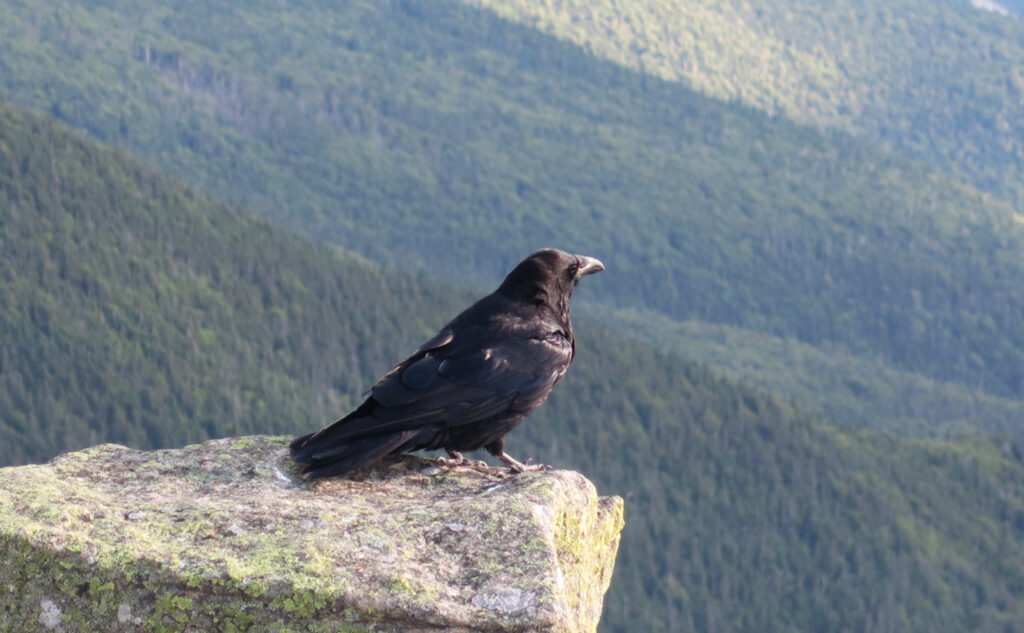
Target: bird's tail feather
[
  {"x": 326, "y": 458},
  {"x": 319, "y": 443}
]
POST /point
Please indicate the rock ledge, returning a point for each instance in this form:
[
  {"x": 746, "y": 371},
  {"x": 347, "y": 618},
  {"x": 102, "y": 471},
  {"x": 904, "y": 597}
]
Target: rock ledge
[{"x": 222, "y": 536}]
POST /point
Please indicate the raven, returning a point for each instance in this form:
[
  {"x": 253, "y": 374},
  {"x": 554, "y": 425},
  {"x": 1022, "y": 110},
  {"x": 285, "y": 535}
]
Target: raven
[{"x": 469, "y": 385}]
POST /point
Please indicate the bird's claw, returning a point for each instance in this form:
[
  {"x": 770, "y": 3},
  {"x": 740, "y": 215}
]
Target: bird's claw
[
  {"x": 534, "y": 468},
  {"x": 456, "y": 458}
]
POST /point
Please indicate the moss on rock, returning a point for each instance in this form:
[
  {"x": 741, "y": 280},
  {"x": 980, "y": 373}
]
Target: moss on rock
[{"x": 223, "y": 536}]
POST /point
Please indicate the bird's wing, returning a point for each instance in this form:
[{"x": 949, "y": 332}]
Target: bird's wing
[{"x": 448, "y": 386}]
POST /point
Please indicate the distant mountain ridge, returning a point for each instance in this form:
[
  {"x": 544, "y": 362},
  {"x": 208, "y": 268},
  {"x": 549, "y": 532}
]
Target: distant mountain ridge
[
  {"x": 846, "y": 388},
  {"x": 937, "y": 81},
  {"x": 431, "y": 134}
]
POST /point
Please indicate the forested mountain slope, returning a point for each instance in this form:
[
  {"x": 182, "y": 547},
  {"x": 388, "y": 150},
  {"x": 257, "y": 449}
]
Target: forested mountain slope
[
  {"x": 433, "y": 134},
  {"x": 848, "y": 389},
  {"x": 137, "y": 310},
  {"x": 936, "y": 80}
]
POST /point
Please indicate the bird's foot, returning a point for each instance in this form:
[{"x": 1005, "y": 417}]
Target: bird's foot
[
  {"x": 520, "y": 467},
  {"x": 454, "y": 458}
]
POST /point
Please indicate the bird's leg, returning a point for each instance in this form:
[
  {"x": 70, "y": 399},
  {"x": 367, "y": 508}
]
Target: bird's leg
[
  {"x": 497, "y": 448},
  {"x": 518, "y": 466}
]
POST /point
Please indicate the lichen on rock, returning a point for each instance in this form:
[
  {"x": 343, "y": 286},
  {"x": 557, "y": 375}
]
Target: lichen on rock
[{"x": 223, "y": 536}]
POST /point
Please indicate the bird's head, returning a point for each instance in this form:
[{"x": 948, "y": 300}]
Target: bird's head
[{"x": 547, "y": 277}]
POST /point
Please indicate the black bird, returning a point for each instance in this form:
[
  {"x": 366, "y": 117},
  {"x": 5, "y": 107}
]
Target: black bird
[{"x": 472, "y": 383}]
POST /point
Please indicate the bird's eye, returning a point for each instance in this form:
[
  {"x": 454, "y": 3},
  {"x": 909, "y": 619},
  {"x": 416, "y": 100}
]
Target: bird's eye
[{"x": 573, "y": 268}]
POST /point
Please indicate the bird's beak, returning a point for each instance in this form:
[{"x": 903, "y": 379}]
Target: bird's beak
[{"x": 588, "y": 266}]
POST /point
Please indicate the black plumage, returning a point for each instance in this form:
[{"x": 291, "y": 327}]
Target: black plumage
[{"x": 469, "y": 385}]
